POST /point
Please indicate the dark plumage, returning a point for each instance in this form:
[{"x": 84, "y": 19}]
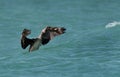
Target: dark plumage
[{"x": 45, "y": 36}]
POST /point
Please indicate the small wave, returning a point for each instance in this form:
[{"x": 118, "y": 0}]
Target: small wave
[
  {"x": 3, "y": 58},
  {"x": 112, "y": 24}
]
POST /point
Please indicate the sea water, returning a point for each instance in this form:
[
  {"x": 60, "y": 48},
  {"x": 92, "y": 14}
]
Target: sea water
[{"x": 89, "y": 48}]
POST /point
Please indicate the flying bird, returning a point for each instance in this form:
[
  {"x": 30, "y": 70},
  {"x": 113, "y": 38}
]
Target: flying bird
[{"x": 45, "y": 36}]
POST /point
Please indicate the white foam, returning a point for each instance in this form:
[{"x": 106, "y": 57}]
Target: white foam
[{"x": 112, "y": 24}]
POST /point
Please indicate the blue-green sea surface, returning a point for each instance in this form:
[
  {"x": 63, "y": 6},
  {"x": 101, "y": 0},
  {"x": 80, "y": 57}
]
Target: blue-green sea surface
[{"x": 89, "y": 48}]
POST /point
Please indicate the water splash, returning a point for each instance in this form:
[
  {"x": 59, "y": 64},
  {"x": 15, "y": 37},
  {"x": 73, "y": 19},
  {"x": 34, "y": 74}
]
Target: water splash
[{"x": 112, "y": 24}]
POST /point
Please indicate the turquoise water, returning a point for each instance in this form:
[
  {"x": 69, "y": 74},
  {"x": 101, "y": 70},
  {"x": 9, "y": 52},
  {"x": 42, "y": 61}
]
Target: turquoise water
[{"x": 87, "y": 49}]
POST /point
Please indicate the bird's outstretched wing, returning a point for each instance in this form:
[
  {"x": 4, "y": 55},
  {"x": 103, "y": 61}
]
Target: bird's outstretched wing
[{"x": 49, "y": 33}]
